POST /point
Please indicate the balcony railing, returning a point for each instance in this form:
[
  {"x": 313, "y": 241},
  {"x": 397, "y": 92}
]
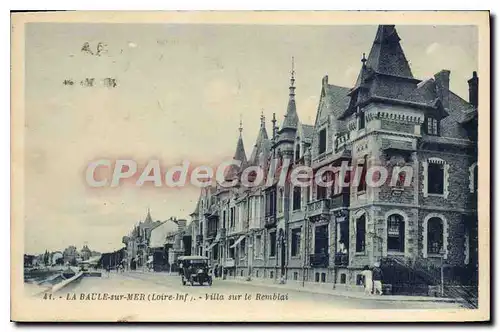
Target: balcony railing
[
  {"x": 341, "y": 259},
  {"x": 319, "y": 209},
  {"x": 318, "y": 260}
]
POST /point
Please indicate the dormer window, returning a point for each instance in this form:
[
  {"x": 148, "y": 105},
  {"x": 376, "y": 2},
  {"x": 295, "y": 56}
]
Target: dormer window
[
  {"x": 322, "y": 141},
  {"x": 432, "y": 127}
]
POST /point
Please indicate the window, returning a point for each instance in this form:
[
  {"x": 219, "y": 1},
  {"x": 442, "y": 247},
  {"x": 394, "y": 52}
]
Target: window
[
  {"x": 395, "y": 233},
  {"x": 435, "y": 179},
  {"x": 362, "y": 178},
  {"x": 432, "y": 126},
  {"x": 224, "y": 219},
  {"x": 232, "y": 216},
  {"x": 242, "y": 249},
  {"x": 295, "y": 276},
  {"x": 258, "y": 246},
  {"x": 434, "y": 235},
  {"x": 272, "y": 244},
  {"x": 296, "y": 233},
  {"x": 257, "y": 273},
  {"x": 321, "y": 186},
  {"x": 360, "y": 233},
  {"x": 320, "y": 192},
  {"x": 316, "y": 277},
  {"x": 343, "y": 278},
  {"x": 323, "y": 277},
  {"x": 322, "y": 141},
  {"x": 241, "y": 273},
  {"x": 215, "y": 252},
  {"x": 231, "y": 250},
  {"x": 297, "y": 151},
  {"x": 321, "y": 240},
  {"x": 297, "y": 198},
  {"x": 361, "y": 117},
  {"x": 271, "y": 203}
]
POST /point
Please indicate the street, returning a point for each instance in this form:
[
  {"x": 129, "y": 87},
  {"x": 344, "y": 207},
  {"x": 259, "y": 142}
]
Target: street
[{"x": 157, "y": 285}]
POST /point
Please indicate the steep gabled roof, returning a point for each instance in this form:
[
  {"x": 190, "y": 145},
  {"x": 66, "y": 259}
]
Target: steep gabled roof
[
  {"x": 386, "y": 55},
  {"x": 291, "y": 119},
  {"x": 239, "y": 155},
  {"x": 308, "y": 133},
  {"x": 386, "y": 73},
  {"x": 262, "y": 144},
  {"x": 333, "y": 101}
]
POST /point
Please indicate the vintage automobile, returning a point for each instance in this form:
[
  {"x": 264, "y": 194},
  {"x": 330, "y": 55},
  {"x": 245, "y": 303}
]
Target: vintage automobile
[{"x": 194, "y": 269}]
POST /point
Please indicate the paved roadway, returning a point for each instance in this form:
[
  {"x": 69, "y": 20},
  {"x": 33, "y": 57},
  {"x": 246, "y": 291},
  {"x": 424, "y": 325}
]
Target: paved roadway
[{"x": 161, "y": 283}]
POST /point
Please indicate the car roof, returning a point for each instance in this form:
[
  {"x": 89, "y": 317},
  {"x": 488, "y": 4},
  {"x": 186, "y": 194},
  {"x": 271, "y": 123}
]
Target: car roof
[{"x": 192, "y": 257}]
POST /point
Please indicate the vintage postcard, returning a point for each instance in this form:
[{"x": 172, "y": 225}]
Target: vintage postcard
[{"x": 250, "y": 166}]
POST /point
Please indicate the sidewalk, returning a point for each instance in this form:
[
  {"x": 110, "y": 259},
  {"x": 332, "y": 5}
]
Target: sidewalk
[
  {"x": 354, "y": 294},
  {"x": 344, "y": 293}
]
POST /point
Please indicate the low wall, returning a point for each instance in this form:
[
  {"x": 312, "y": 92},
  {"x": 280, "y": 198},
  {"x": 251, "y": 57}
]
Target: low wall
[{"x": 66, "y": 282}]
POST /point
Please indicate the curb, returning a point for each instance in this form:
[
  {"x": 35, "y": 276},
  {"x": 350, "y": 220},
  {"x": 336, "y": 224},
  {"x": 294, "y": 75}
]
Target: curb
[{"x": 353, "y": 296}]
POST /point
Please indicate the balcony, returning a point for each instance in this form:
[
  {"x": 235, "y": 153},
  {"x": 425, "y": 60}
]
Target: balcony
[
  {"x": 341, "y": 259},
  {"x": 318, "y": 260},
  {"x": 340, "y": 201},
  {"x": 318, "y": 210}
]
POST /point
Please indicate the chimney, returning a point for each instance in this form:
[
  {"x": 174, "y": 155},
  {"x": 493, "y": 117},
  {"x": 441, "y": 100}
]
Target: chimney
[
  {"x": 442, "y": 80},
  {"x": 473, "y": 89}
]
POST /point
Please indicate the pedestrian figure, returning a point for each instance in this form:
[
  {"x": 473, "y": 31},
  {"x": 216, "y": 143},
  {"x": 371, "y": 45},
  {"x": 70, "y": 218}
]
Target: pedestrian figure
[
  {"x": 368, "y": 280},
  {"x": 378, "y": 276},
  {"x": 216, "y": 271}
]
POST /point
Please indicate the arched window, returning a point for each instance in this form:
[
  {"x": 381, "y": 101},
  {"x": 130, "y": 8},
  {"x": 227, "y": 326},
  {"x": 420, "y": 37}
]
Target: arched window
[
  {"x": 395, "y": 233},
  {"x": 434, "y": 235}
]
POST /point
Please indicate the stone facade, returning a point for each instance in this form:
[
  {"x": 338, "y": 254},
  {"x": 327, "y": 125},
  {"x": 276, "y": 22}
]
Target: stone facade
[{"x": 424, "y": 212}]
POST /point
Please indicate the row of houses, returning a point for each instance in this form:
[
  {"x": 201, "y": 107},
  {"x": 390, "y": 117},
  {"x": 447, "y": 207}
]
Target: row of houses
[
  {"x": 157, "y": 244},
  {"x": 327, "y": 234}
]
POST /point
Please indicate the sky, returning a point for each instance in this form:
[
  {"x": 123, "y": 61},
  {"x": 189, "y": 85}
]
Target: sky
[{"x": 181, "y": 91}]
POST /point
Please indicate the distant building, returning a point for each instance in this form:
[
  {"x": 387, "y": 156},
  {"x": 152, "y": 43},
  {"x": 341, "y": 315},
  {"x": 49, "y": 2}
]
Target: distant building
[
  {"x": 169, "y": 240},
  {"x": 70, "y": 255},
  {"x": 85, "y": 253},
  {"x": 137, "y": 242}
]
